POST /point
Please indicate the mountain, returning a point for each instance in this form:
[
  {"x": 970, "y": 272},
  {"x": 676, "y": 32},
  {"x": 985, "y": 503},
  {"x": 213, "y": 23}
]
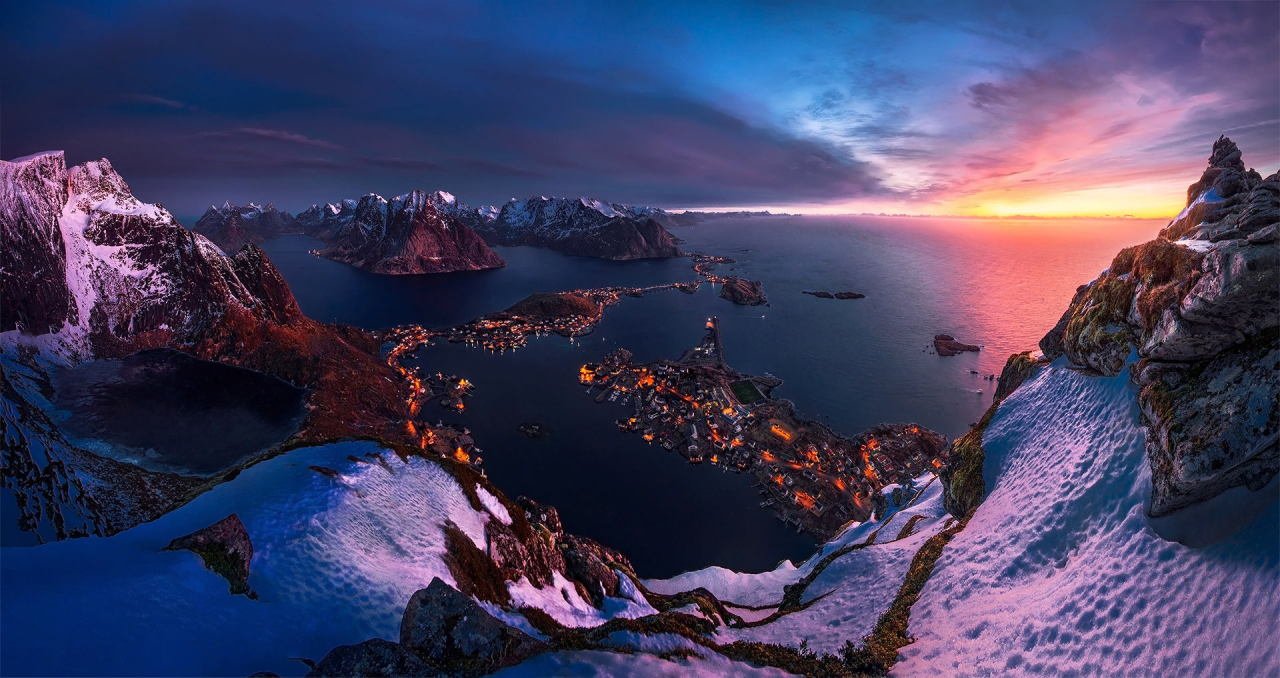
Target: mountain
[
  {"x": 1114, "y": 512},
  {"x": 583, "y": 227},
  {"x": 1121, "y": 487},
  {"x": 232, "y": 226},
  {"x": 91, "y": 272},
  {"x": 417, "y": 232}
]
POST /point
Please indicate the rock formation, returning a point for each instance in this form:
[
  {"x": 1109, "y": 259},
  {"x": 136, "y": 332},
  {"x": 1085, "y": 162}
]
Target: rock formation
[
  {"x": 1200, "y": 308},
  {"x": 93, "y": 272},
  {"x": 824, "y": 294},
  {"x": 225, "y": 548},
  {"x": 448, "y": 629}
]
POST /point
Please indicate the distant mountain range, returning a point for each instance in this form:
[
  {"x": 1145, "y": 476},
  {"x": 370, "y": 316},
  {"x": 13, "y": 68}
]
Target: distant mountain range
[{"x": 434, "y": 232}]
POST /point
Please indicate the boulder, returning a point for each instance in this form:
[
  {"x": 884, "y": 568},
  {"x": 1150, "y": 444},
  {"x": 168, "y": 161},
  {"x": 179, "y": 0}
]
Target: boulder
[
  {"x": 946, "y": 345},
  {"x": 449, "y": 630},
  {"x": 225, "y": 549},
  {"x": 374, "y": 657}
]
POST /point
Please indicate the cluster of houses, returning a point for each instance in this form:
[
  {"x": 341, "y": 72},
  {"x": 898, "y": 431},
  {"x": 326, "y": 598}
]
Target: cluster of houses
[{"x": 810, "y": 476}]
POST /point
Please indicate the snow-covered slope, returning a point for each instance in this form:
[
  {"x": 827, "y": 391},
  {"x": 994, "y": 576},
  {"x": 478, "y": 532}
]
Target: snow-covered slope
[
  {"x": 1060, "y": 572},
  {"x": 335, "y": 560}
]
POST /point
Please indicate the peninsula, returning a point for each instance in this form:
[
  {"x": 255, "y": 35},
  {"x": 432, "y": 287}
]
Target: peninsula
[{"x": 812, "y": 477}]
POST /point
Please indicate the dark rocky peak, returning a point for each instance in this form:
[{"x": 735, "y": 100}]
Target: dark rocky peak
[
  {"x": 266, "y": 284},
  {"x": 414, "y": 233},
  {"x": 1227, "y": 201},
  {"x": 1226, "y": 155},
  {"x": 232, "y": 226},
  {"x": 1224, "y": 178},
  {"x": 33, "y": 187},
  {"x": 33, "y": 287},
  {"x": 582, "y": 226}
]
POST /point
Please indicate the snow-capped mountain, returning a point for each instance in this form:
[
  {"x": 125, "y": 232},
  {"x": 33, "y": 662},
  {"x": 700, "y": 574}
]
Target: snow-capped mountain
[
  {"x": 418, "y": 232},
  {"x": 112, "y": 274},
  {"x": 232, "y": 226},
  {"x": 89, "y": 272},
  {"x": 583, "y": 226}
]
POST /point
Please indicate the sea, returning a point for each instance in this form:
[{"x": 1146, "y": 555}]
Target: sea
[{"x": 851, "y": 364}]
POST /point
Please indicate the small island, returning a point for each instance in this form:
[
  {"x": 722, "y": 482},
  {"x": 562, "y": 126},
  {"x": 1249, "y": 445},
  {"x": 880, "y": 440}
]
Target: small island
[
  {"x": 743, "y": 292},
  {"x": 946, "y": 345},
  {"x": 533, "y": 429},
  {"x": 824, "y": 294}
]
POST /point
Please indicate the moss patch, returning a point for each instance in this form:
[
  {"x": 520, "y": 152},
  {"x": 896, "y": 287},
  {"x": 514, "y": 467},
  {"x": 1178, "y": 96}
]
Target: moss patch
[{"x": 890, "y": 633}]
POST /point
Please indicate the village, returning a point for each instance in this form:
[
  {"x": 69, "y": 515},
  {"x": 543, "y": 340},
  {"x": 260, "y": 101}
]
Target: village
[
  {"x": 570, "y": 314},
  {"x": 811, "y": 477}
]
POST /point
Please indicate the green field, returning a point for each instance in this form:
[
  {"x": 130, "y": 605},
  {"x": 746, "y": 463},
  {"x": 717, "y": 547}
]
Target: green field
[{"x": 746, "y": 391}]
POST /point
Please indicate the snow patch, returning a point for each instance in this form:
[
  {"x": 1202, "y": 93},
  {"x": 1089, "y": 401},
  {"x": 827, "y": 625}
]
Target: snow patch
[{"x": 494, "y": 506}]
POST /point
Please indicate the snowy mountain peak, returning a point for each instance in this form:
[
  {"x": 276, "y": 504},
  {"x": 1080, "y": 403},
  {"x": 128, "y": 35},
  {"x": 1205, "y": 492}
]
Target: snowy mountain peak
[{"x": 38, "y": 156}]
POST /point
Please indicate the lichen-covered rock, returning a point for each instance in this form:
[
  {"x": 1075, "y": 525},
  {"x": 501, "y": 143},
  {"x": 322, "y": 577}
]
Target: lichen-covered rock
[
  {"x": 1211, "y": 425},
  {"x": 374, "y": 657},
  {"x": 1200, "y": 306},
  {"x": 225, "y": 548},
  {"x": 450, "y": 631},
  {"x": 593, "y": 566}
]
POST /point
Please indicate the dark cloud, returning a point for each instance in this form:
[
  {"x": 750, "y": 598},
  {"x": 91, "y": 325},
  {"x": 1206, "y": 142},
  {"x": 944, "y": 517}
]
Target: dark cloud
[{"x": 306, "y": 103}]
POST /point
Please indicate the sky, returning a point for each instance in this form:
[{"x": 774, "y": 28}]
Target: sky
[{"x": 982, "y": 109}]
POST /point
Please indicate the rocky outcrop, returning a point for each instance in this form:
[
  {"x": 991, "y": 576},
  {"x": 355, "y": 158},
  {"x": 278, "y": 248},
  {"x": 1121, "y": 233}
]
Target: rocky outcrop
[
  {"x": 742, "y": 291},
  {"x": 963, "y": 483},
  {"x": 1199, "y": 307},
  {"x": 225, "y": 548},
  {"x": 234, "y": 226},
  {"x": 442, "y": 632},
  {"x": 449, "y": 630},
  {"x": 374, "y": 658},
  {"x": 946, "y": 345},
  {"x": 411, "y": 234},
  {"x": 583, "y": 227}
]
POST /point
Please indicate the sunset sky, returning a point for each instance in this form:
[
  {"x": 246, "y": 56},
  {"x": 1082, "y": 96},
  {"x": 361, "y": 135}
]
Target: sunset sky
[{"x": 1032, "y": 108}]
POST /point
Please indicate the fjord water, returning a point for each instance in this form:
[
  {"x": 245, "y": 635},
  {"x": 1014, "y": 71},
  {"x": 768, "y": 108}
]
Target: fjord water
[{"x": 849, "y": 363}]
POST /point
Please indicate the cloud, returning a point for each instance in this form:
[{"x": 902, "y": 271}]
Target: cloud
[
  {"x": 162, "y": 102},
  {"x": 955, "y": 102},
  {"x": 268, "y": 134}
]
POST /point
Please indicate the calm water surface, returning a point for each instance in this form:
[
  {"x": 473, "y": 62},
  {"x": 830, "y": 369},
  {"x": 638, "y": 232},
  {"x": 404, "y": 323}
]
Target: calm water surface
[{"x": 851, "y": 363}]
